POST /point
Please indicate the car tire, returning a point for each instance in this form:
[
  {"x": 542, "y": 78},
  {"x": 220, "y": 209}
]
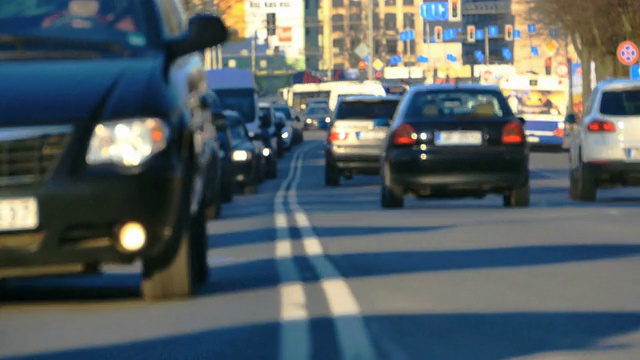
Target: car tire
[
  {"x": 582, "y": 186},
  {"x": 226, "y": 192},
  {"x": 391, "y": 197},
  {"x": 331, "y": 175},
  {"x": 250, "y": 189},
  {"x": 518, "y": 197},
  {"x": 171, "y": 273},
  {"x": 200, "y": 246}
]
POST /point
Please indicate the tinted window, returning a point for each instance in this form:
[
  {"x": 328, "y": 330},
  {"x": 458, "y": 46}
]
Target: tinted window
[
  {"x": 620, "y": 103},
  {"x": 121, "y": 21},
  {"x": 241, "y": 101},
  {"x": 284, "y": 110},
  {"x": 238, "y": 133},
  {"x": 457, "y": 104},
  {"x": 317, "y": 111},
  {"x": 366, "y": 109}
]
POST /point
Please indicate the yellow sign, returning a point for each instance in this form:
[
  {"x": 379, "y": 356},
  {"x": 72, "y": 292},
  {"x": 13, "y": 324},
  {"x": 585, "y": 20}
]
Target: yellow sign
[
  {"x": 378, "y": 64},
  {"x": 551, "y": 46}
]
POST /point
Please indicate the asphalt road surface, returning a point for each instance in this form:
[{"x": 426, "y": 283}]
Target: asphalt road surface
[{"x": 301, "y": 271}]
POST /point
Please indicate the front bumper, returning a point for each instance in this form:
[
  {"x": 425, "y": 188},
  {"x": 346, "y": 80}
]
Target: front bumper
[
  {"x": 243, "y": 171},
  {"x": 79, "y": 217}
]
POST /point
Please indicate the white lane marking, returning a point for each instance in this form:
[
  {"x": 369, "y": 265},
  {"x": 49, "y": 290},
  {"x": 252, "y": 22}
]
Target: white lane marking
[
  {"x": 353, "y": 338},
  {"x": 295, "y": 333}
]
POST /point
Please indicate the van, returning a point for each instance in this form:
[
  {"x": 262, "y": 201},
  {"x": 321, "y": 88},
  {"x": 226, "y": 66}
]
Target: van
[{"x": 342, "y": 90}]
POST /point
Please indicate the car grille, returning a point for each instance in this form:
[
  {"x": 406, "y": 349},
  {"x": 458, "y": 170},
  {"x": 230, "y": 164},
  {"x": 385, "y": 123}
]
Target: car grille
[{"x": 31, "y": 160}]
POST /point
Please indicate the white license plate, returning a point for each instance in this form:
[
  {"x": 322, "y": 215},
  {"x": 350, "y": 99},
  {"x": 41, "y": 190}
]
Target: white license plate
[
  {"x": 19, "y": 214},
  {"x": 533, "y": 139},
  {"x": 371, "y": 135},
  {"x": 459, "y": 138},
  {"x": 633, "y": 154}
]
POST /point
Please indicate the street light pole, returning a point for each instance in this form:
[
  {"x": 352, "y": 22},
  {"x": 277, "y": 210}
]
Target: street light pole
[
  {"x": 486, "y": 46},
  {"x": 370, "y": 38}
]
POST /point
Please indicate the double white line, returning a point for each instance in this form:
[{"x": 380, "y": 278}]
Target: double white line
[{"x": 295, "y": 336}]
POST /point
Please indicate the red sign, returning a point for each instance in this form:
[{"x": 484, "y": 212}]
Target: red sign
[
  {"x": 285, "y": 34},
  {"x": 628, "y": 53},
  {"x": 562, "y": 70}
]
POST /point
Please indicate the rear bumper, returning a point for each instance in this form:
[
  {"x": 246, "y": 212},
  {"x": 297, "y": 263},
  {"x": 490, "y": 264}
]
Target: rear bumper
[
  {"x": 79, "y": 218},
  {"x": 490, "y": 171},
  {"x": 615, "y": 173},
  {"x": 354, "y": 159}
]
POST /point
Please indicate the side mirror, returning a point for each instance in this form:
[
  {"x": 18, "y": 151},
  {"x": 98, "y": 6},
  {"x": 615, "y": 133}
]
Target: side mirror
[
  {"x": 522, "y": 120},
  {"x": 381, "y": 122},
  {"x": 570, "y": 119},
  {"x": 205, "y": 31}
]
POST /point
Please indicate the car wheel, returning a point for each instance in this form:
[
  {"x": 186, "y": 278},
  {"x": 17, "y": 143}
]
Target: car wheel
[
  {"x": 170, "y": 274},
  {"x": 518, "y": 197},
  {"x": 391, "y": 197},
  {"x": 226, "y": 192},
  {"x": 583, "y": 186},
  {"x": 200, "y": 245},
  {"x": 331, "y": 175},
  {"x": 250, "y": 189}
]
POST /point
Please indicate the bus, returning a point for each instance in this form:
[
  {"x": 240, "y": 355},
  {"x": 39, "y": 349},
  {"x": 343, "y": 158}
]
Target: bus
[{"x": 542, "y": 101}]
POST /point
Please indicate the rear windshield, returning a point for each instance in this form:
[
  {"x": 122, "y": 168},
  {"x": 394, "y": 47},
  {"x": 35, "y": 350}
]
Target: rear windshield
[
  {"x": 366, "y": 109},
  {"x": 241, "y": 101},
  {"x": 458, "y": 104},
  {"x": 621, "y": 103},
  {"x": 317, "y": 111},
  {"x": 284, "y": 110}
]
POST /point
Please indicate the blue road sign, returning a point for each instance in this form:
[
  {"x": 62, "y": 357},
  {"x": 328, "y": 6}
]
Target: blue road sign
[
  {"x": 410, "y": 35},
  {"x": 532, "y": 28},
  {"x": 449, "y": 34},
  {"x": 423, "y": 59},
  {"x": 517, "y": 34},
  {"x": 553, "y": 33},
  {"x": 479, "y": 34},
  {"x": 635, "y": 72},
  {"x": 534, "y": 51},
  {"x": 403, "y": 36},
  {"x": 479, "y": 55},
  {"x": 506, "y": 54},
  {"x": 435, "y": 11},
  {"x": 366, "y": 59},
  {"x": 493, "y": 31},
  {"x": 452, "y": 58}
]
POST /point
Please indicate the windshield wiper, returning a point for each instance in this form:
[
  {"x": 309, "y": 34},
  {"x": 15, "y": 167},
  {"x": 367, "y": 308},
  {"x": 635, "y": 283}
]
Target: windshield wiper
[{"x": 21, "y": 40}]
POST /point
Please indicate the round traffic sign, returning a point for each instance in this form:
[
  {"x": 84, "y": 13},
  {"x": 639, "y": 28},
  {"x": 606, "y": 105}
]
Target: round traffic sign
[
  {"x": 628, "y": 53},
  {"x": 487, "y": 76},
  {"x": 362, "y": 65},
  {"x": 562, "y": 70}
]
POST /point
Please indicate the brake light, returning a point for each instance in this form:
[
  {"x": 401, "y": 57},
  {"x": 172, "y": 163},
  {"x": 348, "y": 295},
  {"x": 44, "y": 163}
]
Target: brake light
[
  {"x": 513, "y": 133},
  {"x": 405, "y": 134},
  {"x": 601, "y": 126},
  {"x": 558, "y": 132},
  {"x": 336, "y": 135}
]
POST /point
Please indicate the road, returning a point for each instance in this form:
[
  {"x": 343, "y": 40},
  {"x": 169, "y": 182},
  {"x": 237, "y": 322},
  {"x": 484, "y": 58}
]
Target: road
[{"x": 301, "y": 271}]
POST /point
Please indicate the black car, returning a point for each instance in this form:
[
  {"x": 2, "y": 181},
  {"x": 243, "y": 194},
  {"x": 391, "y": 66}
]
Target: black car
[
  {"x": 268, "y": 112},
  {"x": 455, "y": 141},
  {"x": 226, "y": 164},
  {"x": 103, "y": 136},
  {"x": 293, "y": 121},
  {"x": 318, "y": 117},
  {"x": 246, "y": 160}
]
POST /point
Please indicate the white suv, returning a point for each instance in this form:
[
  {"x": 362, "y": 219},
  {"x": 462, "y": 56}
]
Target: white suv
[{"x": 605, "y": 145}]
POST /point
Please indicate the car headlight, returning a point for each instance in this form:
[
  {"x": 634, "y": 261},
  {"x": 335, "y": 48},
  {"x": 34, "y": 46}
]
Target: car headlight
[
  {"x": 127, "y": 142},
  {"x": 285, "y": 135},
  {"x": 309, "y": 121},
  {"x": 240, "y": 155},
  {"x": 266, "y": 152},
  {"x": 327, "y": 119}
]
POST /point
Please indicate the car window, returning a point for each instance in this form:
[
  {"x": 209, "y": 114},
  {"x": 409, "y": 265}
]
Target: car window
[
  {"x": 123, "y": 22},
  {"x": 366, "y": 109},
  {"x": 317, "y": 111},
  {"x": 241, "y": 101},
  {"x": 620, "y": 103},
  {"x": 457, "y": 104},
  {"x": 284, "y": 111},
  {"x": 238, "y": 133}
]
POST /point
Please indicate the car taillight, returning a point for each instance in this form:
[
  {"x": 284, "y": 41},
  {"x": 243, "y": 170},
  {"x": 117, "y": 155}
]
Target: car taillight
[
  {"x": 335, "y": 135},
  {"x": 558, "y": 132},
  {"x": 405, "y": 134},
  {"x": 513, "y": 133},
  {"x": 601, "y": 126}
]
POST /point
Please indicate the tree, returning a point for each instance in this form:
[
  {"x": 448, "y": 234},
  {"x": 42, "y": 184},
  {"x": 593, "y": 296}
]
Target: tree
[
  {"x": 231, "y": 11},
  {"x": 595, "y": 28}
]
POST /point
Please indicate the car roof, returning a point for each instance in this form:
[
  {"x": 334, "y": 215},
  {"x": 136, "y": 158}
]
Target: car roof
[
  {"x": 349, "y": 98},
  {"x": 448, "y": 87},
  {"x": 619, "y": 84}
]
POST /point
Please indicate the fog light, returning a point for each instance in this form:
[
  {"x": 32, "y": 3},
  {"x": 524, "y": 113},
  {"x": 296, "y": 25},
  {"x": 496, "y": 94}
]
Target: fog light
[
  {"x": 132, "y": 237},
  {"x": 266, "y": 152}
]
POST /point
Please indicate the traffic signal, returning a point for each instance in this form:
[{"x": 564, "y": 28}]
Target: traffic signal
[
  {"x": 271, "y": 24},
  {"x": 437, "y": 33},
  {"x": 455, "y": 15},
  {"x": 547, "y": 66},
  {"x": 471, "y": 33},
  {"x": 508, "y": 32}
]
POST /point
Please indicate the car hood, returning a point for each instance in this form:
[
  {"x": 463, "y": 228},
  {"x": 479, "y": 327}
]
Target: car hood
[{"x": 71, "y": 91}]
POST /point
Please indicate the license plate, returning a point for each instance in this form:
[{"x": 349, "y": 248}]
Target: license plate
[
  {"x": 533, "y": 139},
  {"x": 633, "y": 154},
  {"x": 19, "y": 214},
  {"x": 458, "y": 138},
  {"x": 371, "y": 135}
]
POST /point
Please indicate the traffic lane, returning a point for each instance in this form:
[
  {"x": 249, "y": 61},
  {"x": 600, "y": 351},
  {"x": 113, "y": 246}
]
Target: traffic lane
[
  {"x": 478, "y": 278},
  {"x": 235, "y": 315}
]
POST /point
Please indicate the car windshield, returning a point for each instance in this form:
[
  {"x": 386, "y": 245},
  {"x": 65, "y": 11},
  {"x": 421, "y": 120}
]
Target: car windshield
[
  {"x": 621, "y": 103},
  {"x": 366, "y": 109},
  {"x": 457, "y": 104},
  {"x": 240, "y": 100},
  {"x": 77, "y": 24},
  {"x": 317, "y": 111},
  {"x": 238, "y": 133},
  {"x": 284, "y": 110}
]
